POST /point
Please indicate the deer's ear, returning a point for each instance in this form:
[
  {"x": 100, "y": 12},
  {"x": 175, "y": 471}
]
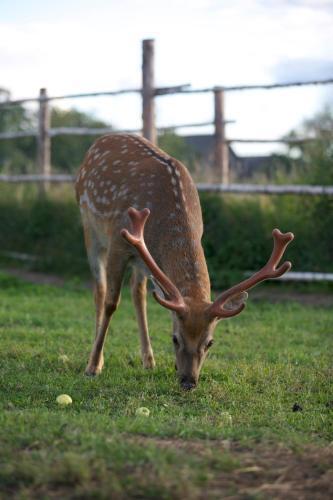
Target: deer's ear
[
  {"x": 157, "y": 288},
  {"x": 236, "y": 301},
  {"x": 162, "y": 298}
]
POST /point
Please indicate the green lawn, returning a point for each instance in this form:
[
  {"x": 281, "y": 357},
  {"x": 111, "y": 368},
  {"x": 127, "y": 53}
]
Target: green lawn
[{"x": 262, "y": 362}]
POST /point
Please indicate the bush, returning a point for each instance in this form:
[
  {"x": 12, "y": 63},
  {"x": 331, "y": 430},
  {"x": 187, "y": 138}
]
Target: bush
[{"x": 237, "y": 234}]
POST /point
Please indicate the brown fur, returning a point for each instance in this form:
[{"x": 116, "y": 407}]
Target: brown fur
[{"x": 122, "y": 171}]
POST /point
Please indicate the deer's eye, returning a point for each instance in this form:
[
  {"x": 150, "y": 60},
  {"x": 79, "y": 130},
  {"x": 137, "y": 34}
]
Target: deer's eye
[
  {"x": 175, "y": 340},
  {"x": 210, "y": 343}
]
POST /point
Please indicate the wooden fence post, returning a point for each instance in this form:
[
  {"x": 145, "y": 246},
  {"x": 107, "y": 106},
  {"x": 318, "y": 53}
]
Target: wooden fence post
[
  {"x": 43, "y": 140},
  {"x": 221, "y": 157},
  {"x": 148, "y": 89}
]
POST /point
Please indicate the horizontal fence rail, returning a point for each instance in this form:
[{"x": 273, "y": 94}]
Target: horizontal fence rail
[
  {"x": 301, "y": 276},
  {"x": 22, "y": 179},
  {"x": 266, "y": 189},
  {"x": 282, "y": 140},
  {"x": 268, "y": 86},
  {"x": 82, "y": 131},
  {"x": 306, "y": 276},
  {"x": 178, "y": 89},
  {"x": 53, "y": 132},
  {"x": 202, "y": 187},
  {"x": 159, "y": 91}
]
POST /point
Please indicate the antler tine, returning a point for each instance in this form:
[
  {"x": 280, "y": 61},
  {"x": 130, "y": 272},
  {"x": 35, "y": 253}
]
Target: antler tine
[
  {"x": 280, "y": 244},
  {"x": 174, "y": 300},
  {"x": 270, "y": 270}
]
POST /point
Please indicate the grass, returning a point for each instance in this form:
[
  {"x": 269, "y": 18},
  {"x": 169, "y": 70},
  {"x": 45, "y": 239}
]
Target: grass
[{"x": 262, "y": 362}]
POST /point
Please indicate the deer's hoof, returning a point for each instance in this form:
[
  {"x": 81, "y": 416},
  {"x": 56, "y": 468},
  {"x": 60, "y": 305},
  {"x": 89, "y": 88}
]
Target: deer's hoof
[
  {"x": 92, "y": 372},
  {"x": 148, "y": 362}
]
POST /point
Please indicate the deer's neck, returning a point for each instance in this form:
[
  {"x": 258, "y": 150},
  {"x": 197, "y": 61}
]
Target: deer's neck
[{"x": 188, "y": 269}]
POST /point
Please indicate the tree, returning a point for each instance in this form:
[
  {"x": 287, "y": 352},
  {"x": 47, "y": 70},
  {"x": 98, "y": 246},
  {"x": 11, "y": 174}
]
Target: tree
[
  {"x": 67, "y": 152},
  {"x": 175, "y": 145},
  {"x": 16, "y": 155},
  {"x": 317, "y": 156}
]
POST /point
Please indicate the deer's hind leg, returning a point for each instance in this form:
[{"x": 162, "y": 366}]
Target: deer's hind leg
[
  {"x": 139, "y": 296},
  {"x": 97, "y": 262}
]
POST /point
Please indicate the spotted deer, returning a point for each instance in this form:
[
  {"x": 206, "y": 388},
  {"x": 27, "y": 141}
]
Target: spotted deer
[{"x": 139, "y": 206}]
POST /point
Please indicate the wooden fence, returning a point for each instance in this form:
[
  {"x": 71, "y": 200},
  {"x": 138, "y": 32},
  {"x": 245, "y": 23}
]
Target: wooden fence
[{"x": 149, "y": 93}]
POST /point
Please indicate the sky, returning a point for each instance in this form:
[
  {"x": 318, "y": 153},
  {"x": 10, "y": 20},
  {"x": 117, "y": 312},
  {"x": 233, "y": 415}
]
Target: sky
[{"x": 77, "y": 46}]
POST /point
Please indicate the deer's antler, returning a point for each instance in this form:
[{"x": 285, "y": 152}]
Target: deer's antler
[
  {"x": 174, "y": 299},
  {"x": 270, "y": 270}
]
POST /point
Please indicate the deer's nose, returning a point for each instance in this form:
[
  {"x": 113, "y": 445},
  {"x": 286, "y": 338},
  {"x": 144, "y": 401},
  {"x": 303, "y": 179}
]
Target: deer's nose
[{"x": 187, "y": 383}]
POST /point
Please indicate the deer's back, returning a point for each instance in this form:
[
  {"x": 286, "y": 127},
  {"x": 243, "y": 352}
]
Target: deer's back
[{"x": 123, "y": 170}]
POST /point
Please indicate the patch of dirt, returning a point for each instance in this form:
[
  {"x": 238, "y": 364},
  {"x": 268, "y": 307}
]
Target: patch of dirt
[
  {"x": 35, "y": 277},
  {"x": 279, "y": 295},
  {"x": 272, "y": 295},
  {"x": 264, "y": 471}
]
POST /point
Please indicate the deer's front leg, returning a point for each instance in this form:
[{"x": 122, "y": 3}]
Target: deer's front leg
[
  {"x": 107, "y": 298},
  {"x": 139, "y": 296}
]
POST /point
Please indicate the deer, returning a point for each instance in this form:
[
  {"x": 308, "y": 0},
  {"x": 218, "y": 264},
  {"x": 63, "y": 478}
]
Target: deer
[{"x": 140, "y": 208}]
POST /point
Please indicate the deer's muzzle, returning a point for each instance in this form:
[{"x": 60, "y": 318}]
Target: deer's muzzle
[{"x": 188, "y": 383}]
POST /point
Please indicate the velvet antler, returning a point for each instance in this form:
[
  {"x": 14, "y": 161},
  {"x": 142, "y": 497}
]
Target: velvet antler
[
  {"x": 270, "y": 270},
  {"x": 135, "y": 237}
]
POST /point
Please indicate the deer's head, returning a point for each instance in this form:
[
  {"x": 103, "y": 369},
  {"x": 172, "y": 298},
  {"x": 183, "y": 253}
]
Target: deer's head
[{"x": 194, "y": 320}]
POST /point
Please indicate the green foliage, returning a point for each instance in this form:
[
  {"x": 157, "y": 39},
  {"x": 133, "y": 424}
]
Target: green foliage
[
  {"x": 237, "y": 232},
  {"x": 176, "y": 146},
  {"x": 315, "y": 163},
  {"x": 17, "y": 156},
  {"x": 237, "y": 235},
  {"x": 47, "y": 228},
  {"x": 67, "y": 152}
]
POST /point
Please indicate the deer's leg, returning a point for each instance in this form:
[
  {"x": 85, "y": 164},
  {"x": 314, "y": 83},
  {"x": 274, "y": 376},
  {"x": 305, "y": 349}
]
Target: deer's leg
[
  {"x": 107, "y": 301},
  {"x": 97, "y": 262},
  {"x": 139, "y": 296}
]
